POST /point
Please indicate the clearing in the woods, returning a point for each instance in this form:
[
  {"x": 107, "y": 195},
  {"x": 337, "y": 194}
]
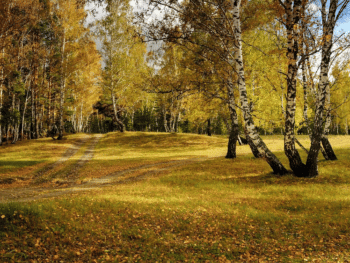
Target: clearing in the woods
[{"x": 146, "y": 197}]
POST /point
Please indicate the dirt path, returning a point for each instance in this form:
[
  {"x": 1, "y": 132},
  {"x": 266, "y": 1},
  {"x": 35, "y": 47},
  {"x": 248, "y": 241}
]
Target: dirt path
[
  {"x": 87, "y": 156},
  {"x": 70, "y": 152},
  {"x": 66, "y": 156},
  {"x": 115, "y": 178},
  {"x": 69, "y": 183}
]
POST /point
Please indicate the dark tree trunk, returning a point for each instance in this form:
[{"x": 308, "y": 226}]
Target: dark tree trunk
[
  {"x": 328, "y": 149},
  {"x": 232, "y": 141},
  {"x": 234, "y": 131},
  {"x": 312, "y": 158},
  {"x": 209, "y": 128}
]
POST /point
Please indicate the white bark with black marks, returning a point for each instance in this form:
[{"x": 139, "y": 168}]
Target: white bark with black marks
[
  {"x": 62, "y": 88},
  {"x": 293, "y": 14},
  {"x": 328, "y": 22},
  {"x": 325, "y": 142},
  {"x": 250, "y": 128}
]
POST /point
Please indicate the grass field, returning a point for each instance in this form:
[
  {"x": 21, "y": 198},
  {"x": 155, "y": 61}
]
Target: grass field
[{"x": 209, "y": 210}]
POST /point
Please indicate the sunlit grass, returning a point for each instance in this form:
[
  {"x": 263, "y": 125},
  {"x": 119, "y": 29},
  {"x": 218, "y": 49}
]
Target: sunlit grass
[
  {"x": 214, "y": 210},
  {"x": 157, "y": 145},
  {"x": 118, "y": 151},
  {"x": 28, "y": 156}
]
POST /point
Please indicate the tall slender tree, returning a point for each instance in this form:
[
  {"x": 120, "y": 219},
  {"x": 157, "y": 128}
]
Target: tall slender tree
[{"x": 123, "y": 53}]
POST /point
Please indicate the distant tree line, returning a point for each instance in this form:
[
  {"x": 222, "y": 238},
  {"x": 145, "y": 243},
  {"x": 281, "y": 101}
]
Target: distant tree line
[{"x": 49, "y": 67}]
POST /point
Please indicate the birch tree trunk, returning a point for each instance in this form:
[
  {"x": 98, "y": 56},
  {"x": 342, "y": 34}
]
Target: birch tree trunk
[
  {"x": 305, "y": 109},
  {"x": 328, "y": 23},
  {"x": 120, "y": 123},
  {"x": 306, "y": 105},
  {"x": 165, "y": 120},
  {"x": 325, "y": 142},
  {"x": 178, "y": 119},
  {"x": 32, "y": 96},
  {"x": 232, "y": 141},
  {"x": 80, "y": 125},
  {"x": 305, "y": 87},
  {"x": 61, "y": 109},
  {"x": 16, "y": 126},
  {"x": 255, "y": 139},
  {"x": 49, "y": 101},
  {"x": 62, "y": 89},
  {"x": 36, "y": 112},
  {"x": 346, "y": 126},
  {"x": 293, "y": 17},
  {"x": 23, "y": 115}
]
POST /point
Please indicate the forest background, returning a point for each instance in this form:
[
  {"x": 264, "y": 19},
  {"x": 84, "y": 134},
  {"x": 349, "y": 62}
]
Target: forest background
[{"x": 294, "y": 78}]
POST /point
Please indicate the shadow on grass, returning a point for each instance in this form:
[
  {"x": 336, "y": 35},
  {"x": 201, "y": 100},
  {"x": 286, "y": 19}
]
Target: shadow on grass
[
  {"x": 290, "y": 179},
  {"x": 16, "y": 217},
  {"x": 17, "y": 164},
  {"x": 257, "y": 173}
]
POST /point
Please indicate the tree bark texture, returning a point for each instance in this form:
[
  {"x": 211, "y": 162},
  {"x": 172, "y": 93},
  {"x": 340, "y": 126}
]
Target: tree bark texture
[
  {"x": 116, "y": 118},
  {"x": 306, "y": 106},
  {"x": 325, "y": 142},
  {"x": 209, "y": 128},
  {"x": 317, "y": 134},
  {"x": 255, "y": 139},
  {"x": 232, "y": 141},
  {"x": 62, "y": 89},
  {"x": 293, "y": 17}
]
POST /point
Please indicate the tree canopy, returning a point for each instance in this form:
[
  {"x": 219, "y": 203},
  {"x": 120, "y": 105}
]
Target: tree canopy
[{"x": 241, "y": 68}]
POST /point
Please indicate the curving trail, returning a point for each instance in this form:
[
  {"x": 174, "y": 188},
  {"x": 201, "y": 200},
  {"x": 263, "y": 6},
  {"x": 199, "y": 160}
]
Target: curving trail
[
  {"x": 66, "y": 156},
  {"x": 129, "y": 175},
  {"x": 38, "y": 193},
  {"x": 156, "y": 168},
  {"x": 87, "y": 156}
]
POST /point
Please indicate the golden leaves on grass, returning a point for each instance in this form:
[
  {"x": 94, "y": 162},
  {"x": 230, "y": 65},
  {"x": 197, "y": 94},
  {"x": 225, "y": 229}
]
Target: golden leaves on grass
[{"x": 137, "y": 234}]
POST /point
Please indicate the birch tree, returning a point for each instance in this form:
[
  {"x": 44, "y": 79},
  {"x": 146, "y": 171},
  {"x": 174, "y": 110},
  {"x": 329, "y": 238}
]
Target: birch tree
[
  {"x": 222, "y": 21},
  {"x": 70, "y": 28},
  {"x": 330, "y": 13},
  {"x": 123, "y": 53}
]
